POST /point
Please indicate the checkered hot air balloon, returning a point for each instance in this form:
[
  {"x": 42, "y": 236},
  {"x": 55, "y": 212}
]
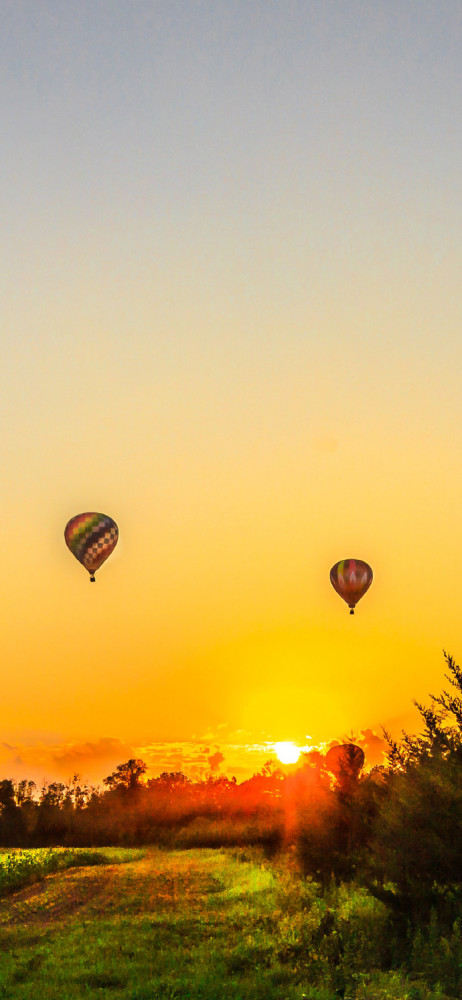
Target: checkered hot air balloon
[
  {"x": 91, "y": 538},
  {"x": 351, "y": 578}
]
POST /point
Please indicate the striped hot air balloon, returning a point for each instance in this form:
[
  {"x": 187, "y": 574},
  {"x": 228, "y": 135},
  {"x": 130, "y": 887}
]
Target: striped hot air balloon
[
  {"x": 91, "y": 537},
  {"x": 351, "y": 578}
]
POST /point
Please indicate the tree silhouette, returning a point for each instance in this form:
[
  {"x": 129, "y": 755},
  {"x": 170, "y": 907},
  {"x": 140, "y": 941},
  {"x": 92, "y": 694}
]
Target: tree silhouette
[{"x": 127, "y": 776}]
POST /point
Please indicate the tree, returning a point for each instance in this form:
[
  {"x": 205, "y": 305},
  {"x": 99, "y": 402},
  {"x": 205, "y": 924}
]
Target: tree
[
  {"x": 442, "y": 733},
  {"x": 7, "y": 796},
  {"x": 127, "y": 776},
  {"x": 416, "y": 844},
  {"x": 25, "y": 791}
]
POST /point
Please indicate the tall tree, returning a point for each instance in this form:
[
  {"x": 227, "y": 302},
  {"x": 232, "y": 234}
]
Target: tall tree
[{"x": 416, "y": 845}]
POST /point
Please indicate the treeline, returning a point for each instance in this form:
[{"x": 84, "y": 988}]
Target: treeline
[
  {"x": 131, "y": 810},
  {"x": 268, "y": 808},
  {"x": 396, "y": 830}
]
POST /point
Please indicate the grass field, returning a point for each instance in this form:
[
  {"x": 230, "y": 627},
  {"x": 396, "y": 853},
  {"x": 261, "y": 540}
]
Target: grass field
[
  {"x": 191, "y": 925},
  {"x": 22, "y": 867}
]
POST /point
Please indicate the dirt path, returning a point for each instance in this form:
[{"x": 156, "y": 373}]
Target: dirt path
[
  {"x": 57, "y": 895},
  {"x": 152, "y": 882}
]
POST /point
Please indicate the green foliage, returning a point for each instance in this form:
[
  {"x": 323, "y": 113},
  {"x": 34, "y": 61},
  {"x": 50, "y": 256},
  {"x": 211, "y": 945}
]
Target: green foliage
[
  {"x": 395, "y": 986},
  {"x": 438, "y": 957},
  {"x": 416, "y": 845}
]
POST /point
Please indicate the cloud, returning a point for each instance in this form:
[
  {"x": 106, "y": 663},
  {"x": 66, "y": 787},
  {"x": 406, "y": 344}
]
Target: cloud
[
  {"x": 374, "y": 746},
  {"x": 215, "y": 760},
  {"x": 93, "y": 760},
  {"x": 190, "y": 757}
]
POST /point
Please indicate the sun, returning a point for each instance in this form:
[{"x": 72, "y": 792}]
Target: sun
[{"x": 288, "y": 753}]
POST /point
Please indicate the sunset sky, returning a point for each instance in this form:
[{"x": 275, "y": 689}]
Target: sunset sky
[{"x": 232, "y": 320}]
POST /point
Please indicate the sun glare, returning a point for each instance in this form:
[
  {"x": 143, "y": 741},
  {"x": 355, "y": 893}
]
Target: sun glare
[{"x": 288, "y": 753}]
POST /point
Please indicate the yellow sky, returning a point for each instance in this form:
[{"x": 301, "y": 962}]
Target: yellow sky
[{"x": 232, "y": 322}]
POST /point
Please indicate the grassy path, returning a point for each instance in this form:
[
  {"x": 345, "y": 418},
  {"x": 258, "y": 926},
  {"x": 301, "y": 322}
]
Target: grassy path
[{"x": 186, "y": 925}]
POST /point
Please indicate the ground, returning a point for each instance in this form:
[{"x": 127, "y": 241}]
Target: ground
[{"x": 188, "y": 925}]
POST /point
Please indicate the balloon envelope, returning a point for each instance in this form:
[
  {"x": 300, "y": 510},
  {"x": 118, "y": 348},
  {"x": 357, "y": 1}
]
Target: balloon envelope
[
  {"x": 91, "y": 537},
  {"x": 345, "y": 760},
  {"x": 351, "y": 578}
]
